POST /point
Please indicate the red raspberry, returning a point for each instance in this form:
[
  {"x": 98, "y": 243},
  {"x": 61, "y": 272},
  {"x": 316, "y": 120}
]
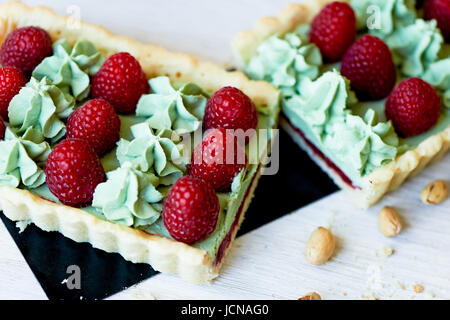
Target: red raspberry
[
  {"x": 96, "y": 122},
  {"x": 230, "y": 108},
  {"x": 11, "y": 81},
  {"x": 121, "y": 81},
  {"x": 369, "y": 66},
  {"x": 413, "y": 106},
  {"x": 439, "y": 10},
  {"x": 2, "y": 128},
  {"x": 333, "y": 30},
  {"x": 191, "y": 210},
  {"x": 218, "y": 159},
  {"x": 24, "y": 48},
  {"x": 73, "y": 171}
]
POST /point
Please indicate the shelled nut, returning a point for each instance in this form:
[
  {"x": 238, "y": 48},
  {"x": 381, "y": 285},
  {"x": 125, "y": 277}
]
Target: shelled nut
[
  {"x": 434, "y": 193},
  {"x": 320, "y": 246},
  {"x": 311, "y": 296},
  {"x": 389, "y": 222}
]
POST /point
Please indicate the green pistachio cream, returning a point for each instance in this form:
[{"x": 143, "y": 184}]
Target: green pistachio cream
[
  {"x": 148, "y": 158},
  {"x": 317, "y": 99}
]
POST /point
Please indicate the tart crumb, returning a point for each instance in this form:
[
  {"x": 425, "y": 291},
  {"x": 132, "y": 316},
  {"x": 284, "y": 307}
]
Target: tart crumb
[
  {"x": 400, "y": 285},
  {"x": 418, "y": 288},
  {"x": 22, "y": 225},
  {"x": 385, "y": 252}
]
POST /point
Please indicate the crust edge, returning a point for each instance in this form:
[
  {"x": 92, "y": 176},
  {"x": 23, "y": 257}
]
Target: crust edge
[{"x": 134, "y": 245}]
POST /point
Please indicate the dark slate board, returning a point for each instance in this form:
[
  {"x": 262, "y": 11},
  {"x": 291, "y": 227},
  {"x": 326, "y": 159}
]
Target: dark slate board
[{"x": 298, "y": 182}]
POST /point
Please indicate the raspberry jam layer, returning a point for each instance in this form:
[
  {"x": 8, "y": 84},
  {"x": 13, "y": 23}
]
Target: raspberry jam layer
[
  {"x": 225, "y": 244},
  {"x": 330, "y": 164}
]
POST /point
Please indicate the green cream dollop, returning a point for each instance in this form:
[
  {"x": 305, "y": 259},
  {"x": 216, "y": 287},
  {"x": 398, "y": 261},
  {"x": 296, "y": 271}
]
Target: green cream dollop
[
  {"x": 323, "y": 112},
  {"x": 168, "y": 108},
  {"x": 366, "y": 143},
  {"x": 284, "y": 61},
  {"x": 150, "y": 151},
  {"x": 129, "y": 197},
  {"x": 321, "y": 101},
  {"x": 38, "y": 107},
  {"x": 70, "y": 68},
  {"x": 21, "y": 159}
]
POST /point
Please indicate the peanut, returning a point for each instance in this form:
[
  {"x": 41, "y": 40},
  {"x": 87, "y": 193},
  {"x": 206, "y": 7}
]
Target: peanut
[
  {"x": 320, "y": 246},
  {"x": 389, "y": 222}
]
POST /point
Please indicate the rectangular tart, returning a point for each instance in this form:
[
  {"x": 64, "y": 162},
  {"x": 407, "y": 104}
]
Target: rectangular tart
[
  {"x": 197, "y": 263},
  {"x": 370, "y": 187}
]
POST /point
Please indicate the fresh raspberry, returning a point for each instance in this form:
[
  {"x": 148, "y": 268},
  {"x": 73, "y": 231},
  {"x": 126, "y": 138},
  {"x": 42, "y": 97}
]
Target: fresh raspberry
[
  {"x": 121, "y": 81},
  {"x": 11, "y": 81},
  {"x": 96, "y": 122},
  {"x": 191, "y": 210},
  {"x": 218, "y": 159},
  {"x": 439, "y": 10},
  {"x": 413, "y": 106},
  {"x": 24, "y": 48},
  {"x": 333, "y": 30},
  {"x": 2, "y": 128},
  {"x": 369, "y": 66},
  {"x": 73, "y": 171},
  {"x": 230, "y": 108}
]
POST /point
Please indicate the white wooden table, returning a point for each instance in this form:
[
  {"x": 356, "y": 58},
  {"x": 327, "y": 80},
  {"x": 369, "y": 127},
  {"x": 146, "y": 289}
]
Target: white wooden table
[{"x": 269, "y": 263}]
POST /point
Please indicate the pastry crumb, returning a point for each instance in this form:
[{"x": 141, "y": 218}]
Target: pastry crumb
[
  {"x": 429, "y": 294},
  {"x": 385, "y": 252},
  {"x": 400, "y": 285},
  {"x": 370, "y": 297},
  {"x": 418, "y": 288},
  {"x": 22, "y": 225}
]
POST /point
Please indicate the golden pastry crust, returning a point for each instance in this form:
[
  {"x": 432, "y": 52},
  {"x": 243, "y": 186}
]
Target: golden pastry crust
[
  {"x": 163, "y": 254},
  {"x": 381, "y": 180}
]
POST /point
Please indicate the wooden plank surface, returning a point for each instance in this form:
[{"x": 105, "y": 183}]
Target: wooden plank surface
[{"x": 269, "y": 263}]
